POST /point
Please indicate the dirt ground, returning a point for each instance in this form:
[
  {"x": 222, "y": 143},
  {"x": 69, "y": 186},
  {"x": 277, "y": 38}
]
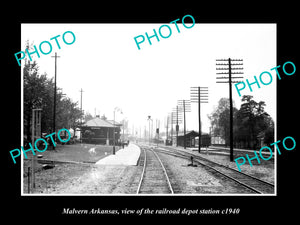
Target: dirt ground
[
  {"x": 76, "y": 173},
  {"x": 102, "y": 179},
  {"x": 197, "y": 180},
  {"x": 264, "y": 170},
  {"x": 70, "y": 162},
  {"x": 48, "y": 180}
]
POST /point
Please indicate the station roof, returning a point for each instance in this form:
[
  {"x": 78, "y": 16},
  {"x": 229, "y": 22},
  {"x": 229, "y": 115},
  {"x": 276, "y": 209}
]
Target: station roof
[
  {"x": 97, "y": 122},
  {"x": 114, "y": 122},
  {"x": 191, "y": 133}
]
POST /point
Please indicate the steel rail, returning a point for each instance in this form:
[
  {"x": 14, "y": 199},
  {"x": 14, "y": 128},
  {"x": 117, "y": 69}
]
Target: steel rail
[
  {"x": 198, "y": 158},
  {"x": 144, "y": 170},
  {"x": 165, "y": 171},
  {"x": 229, "y": 168}
]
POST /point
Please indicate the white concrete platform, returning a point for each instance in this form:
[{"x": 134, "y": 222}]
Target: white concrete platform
[{"x": 127, "y": 156}]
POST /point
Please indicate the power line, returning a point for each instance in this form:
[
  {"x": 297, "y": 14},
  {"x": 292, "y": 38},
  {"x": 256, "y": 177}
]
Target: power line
[
  {"x": 81, "y": 114},
  {"x": 229, "y": 66},
  {"x": 54, "y": 104},
  {"x": 199, "y": 95},
  {"x": 186, "y": 105}
]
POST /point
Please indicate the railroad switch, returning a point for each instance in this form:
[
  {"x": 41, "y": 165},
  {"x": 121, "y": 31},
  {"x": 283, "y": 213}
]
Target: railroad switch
[{"x": 192, "y": 162}]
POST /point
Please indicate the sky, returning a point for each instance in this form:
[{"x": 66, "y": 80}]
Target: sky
[{"x": 105, "y": 62}]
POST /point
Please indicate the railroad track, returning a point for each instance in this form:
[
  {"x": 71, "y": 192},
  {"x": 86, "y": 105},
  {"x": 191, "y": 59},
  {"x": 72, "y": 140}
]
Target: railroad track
[
  {"x": 154, "y": 178},
  {"x": 254, "y": 184}
]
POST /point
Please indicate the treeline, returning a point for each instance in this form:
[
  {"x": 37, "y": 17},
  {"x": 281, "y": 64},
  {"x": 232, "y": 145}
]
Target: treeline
[
  {"x": 38, "y": 92},
  {"x": 252, "y": 126}
]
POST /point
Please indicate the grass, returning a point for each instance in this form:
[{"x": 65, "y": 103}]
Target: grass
[
  {"x": 77, "y": 153},
  {"x": 47, "y": 179}
]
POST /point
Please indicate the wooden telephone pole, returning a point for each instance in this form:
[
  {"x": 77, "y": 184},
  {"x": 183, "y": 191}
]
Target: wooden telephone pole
[
  {"x": 186, "y": 106},
  {"x": 81, "y": 115},
  {"x": 54, "y": 103},
  {"x": 228, "y": 71},
  {"x": 177, "y": 112},
  {"x": 199, "y": 95}
]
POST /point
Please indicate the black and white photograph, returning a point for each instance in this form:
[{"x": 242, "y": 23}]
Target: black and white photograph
[
  {"x": 188, "y": 111},
  {"x": 188, "y": 115}
]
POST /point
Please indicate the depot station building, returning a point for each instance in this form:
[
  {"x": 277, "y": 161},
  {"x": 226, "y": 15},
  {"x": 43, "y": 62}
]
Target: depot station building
[{"x": 100, "y": 131}]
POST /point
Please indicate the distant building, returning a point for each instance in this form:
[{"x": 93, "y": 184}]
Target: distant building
[
  {"x": 189, "y": 140},
  {"x": 99, "y": 131},
  {"x": 205, "y": 140},
  {"x": 192, "y": 139}
]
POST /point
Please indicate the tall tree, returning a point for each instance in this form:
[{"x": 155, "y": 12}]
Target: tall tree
[
  {"x": 253, "y": 121},
  {"x": 68, "y": 113},
  {"x": 38, "y": 93},
  {"x": 220, "y": 119},
  {"x": 249, "y": 122}
]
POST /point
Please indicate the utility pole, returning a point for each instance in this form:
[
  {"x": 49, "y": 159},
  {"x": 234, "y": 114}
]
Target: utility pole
[
  {"x": 157, "y": 130},
  {"x": 186, "y": 105},
  {"x": 54, "y": 103},
  {"x": 81, "y": 102},
  {"x": 114, "y": 129},
  {"x": 229, "y": 72},
  {"x": 123, "y": 128},
  {"x": 171, "y": 128},
  {"x": 178, "y": 119},
  {"x": 81, "y": 114},
  {"x": 140, "y": 134},
  {"x": 35, "y": 134},
  {"x": 167, "y": 128},
  {"x": 149, "y": 119},
  {"x": 177, "y": 126},
  {"x": 199, "y": 95}
]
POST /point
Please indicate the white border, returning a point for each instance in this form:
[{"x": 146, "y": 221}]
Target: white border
[{"x": 169, "y": 195}]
